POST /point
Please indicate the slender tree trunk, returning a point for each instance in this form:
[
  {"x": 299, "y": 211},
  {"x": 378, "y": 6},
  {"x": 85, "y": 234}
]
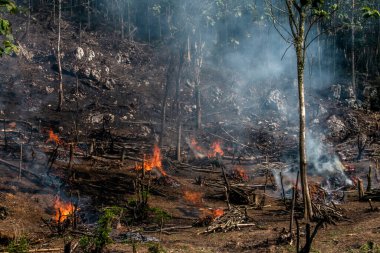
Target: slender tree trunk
[
  {"x": 319, "y": 52},
  {"x": 198, "y": 105},
  {"x": 88, "y": 14},
  {"x": 353, "y": 49},
  {"x": 198, "y": 62},
  {"x": 178, "y": 79},
  {"x": 122, "y": 26},
  {"x": 29, "y": 17},
  {"x": 300, "y": 52},
  {"x": 60, "y": 90},
  {"x": 179, "y": 135},
  {"x": 164, "y": 101},
  {"x": 129, "y": 20}
]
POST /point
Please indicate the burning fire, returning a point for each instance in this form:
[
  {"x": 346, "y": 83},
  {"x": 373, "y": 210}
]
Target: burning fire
[
  {"x": 216, "y": 148},
  {"x": 239, "y": 173},
  {"x": 154, "y": 162},
  {"x": 54, "y": 138},
  {"x": 216, "y": 213},
  {"x": 212, "y": 213},
  {"x": 193, "y": 197},
  {"x": 198, "y": 150},
  {"x": 62, "y": 210}
]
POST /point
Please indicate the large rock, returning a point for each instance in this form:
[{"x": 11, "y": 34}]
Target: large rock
[
  {"x": 276, "y": 101},
  {"x": 336, "y": 90},
  {"x": 96, "y": 75},
  {"x": 91, "y": 55},
  {"x": 79, "y": 53},
  {"x": 100, "y": 118},
  {"x": 336, "y": 127}
]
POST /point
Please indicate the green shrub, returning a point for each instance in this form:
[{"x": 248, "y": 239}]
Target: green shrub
[
  {"x": 156, "y": 248},
  {"x": 370, "y": 247},
  {"x": 20, "y": 245}
]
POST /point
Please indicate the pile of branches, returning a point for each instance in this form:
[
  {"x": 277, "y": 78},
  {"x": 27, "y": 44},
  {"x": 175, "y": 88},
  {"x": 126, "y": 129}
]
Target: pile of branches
[
  {"x": 230, "y": 220},
  {"x": 327, "y": 214},
  {"x": 374, "y": 195}
]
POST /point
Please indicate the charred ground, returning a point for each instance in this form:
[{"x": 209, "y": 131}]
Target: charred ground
[{"x": 111, "y": 121}]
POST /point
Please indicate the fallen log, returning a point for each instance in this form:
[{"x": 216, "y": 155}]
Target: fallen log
[
  {"x": 16, "y": 167},
  {"x": 41, "y": 250},
  {"x": 215, "y": 229}
]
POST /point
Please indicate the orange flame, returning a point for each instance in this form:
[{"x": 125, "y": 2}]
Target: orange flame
[
  {"x": 54, "y": 138},
  {"x": 193, "y": 197},
  {"x": 62, "y": 210},
  {"x": 216, "y": 213},
  {"x": 239, "y": 173},
  {"x": 216, "y": 148},
  {"x": 154, "y": 162},
  {"x": 198, "y": 150},
  {"x": 213, "y": 213}
]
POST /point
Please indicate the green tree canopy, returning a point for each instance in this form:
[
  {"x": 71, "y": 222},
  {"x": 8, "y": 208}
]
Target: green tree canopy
[{"x": 6, "y": 38}]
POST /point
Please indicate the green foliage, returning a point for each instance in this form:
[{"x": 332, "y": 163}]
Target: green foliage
[
  {"x": 370, "y": 247},
  {"x": 160, "y": 215},
  {"x": 101, "y": 237},
  {"x": 8, "y": 6},
  {"x": 7, "y": 46},
  {"x": 156, "y": 248},
  {"x": 20, "y": 245},
  {"x": 369, "y": 12},
  {"x": 104, "y": 228},
  {"x": 85, "y": 244}
]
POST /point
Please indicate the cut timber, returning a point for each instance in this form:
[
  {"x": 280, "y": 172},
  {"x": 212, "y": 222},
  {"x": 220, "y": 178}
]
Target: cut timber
[
  {"x": 16, "y": 167},
  {"x": 369, "y": 179},
  {"x": 360, "y": 189},
  {"x": 41, "y": 250}
]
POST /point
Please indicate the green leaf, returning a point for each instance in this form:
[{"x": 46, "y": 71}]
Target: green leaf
[{"x": 369, "y": 12}]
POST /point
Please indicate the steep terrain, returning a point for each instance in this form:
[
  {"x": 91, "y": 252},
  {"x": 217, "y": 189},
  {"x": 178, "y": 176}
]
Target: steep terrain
[{"x": 111, "y": 120}]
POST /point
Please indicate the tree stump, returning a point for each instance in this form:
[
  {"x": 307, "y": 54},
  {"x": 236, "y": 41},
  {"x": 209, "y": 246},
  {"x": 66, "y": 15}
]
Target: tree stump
[
  {"x": 360, "y": 189},
  {"x": 369, "y": 179}
]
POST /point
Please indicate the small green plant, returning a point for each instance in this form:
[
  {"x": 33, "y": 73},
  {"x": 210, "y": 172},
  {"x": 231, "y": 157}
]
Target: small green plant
[
  {"x": 20, "y": 245},
  {"x": 104, "y": 228},
  {"x": 370, "y": 247},
  {"x": 156, "y": 248},
  {"x": 160, "y": 215},
  {"x": 101, "y": 236},
  {"x": 85, "y": 244}
]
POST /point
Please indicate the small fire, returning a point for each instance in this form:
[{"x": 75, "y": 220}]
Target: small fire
[
  {"x": 216, "y": 148},
  {"x": 199, "y": 151},
  {"x": 239, "y": 173},
  {"x": 62, "y": 210},
  {"x": 211, "y": 213},
  {"x": 193, "y": 197},
  {"x": 216, "y": 213},
  {"x": 54, "y": 138},
  {"x": 154, "y": 162}
]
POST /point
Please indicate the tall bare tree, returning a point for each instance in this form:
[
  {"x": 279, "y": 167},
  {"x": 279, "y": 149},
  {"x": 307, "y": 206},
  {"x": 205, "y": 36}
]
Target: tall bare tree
[
  {"x": 60, "y": 89},
  {"x": 301, "y": 16},
  {"x": 353, "y": 74}
]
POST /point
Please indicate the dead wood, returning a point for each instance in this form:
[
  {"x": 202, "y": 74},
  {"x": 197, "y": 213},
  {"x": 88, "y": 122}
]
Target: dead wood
[
  {"x": 16, "y": 168},
  {"x": 230, "y": 220},
  {"x": 360, "y": 189},
  {"x": 41, "y": 250},
  {"x": 369, "y": 179}
]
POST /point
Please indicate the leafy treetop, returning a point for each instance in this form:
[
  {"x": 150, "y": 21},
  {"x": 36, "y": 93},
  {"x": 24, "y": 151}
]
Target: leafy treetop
[{"x": 6, "y": 46}]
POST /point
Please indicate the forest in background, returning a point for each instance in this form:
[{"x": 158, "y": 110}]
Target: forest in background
[
  {"x": 179, "y": 76},
  {"x": 345, "y": 44}
]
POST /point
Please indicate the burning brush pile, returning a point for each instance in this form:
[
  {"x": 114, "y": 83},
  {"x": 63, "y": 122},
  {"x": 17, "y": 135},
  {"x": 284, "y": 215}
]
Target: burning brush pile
[
  {"x": 223, "y": 221},
  {"x": 217, "y": 219},
  {"x": 65, "y": 216}
]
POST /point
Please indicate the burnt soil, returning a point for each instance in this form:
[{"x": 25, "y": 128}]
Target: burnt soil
[{"x": 133, "y": 103}]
